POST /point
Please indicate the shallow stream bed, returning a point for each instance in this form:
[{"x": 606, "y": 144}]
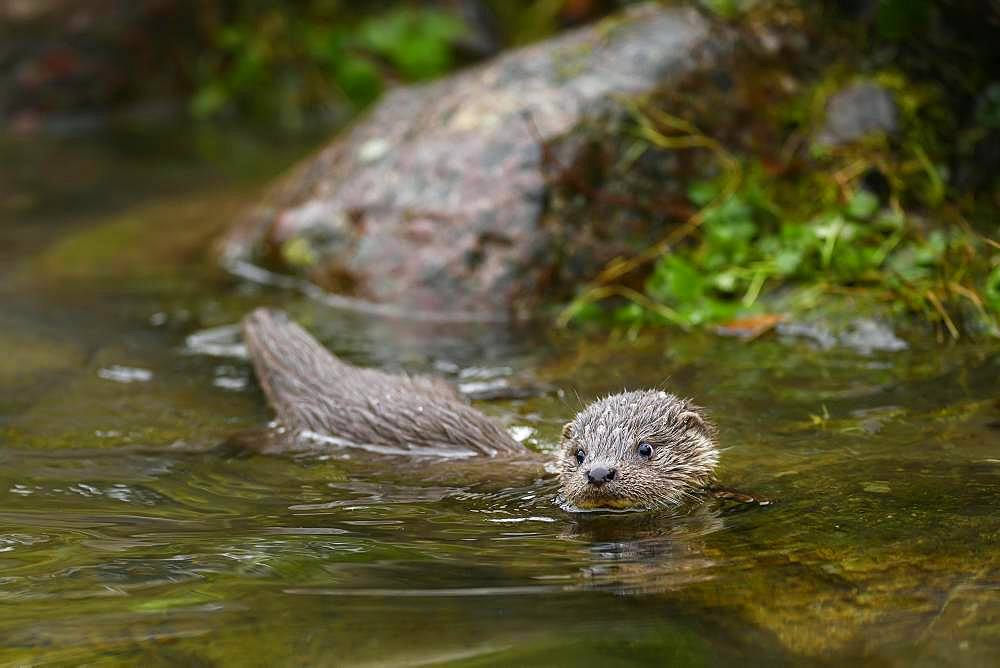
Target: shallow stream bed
[{"x": 127, "y": 535}]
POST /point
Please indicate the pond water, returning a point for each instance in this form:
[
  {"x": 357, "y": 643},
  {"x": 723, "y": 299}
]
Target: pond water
[{"x": 127, "y": 535}]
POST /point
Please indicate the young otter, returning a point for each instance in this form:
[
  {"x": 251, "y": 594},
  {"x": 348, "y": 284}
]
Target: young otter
[{"x": 644, "y": 449}]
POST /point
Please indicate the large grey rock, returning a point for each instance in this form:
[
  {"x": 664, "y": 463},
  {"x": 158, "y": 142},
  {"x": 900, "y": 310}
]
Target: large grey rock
[{"x": 436, "y": 202}]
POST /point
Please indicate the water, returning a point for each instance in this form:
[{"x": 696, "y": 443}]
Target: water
[{"x": 127, "y": 535}]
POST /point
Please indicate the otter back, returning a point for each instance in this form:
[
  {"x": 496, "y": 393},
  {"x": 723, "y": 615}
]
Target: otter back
[{"x": 312, "y": 390}]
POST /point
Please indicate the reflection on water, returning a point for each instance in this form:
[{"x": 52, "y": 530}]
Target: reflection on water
[{"x": 129, "y": 534}]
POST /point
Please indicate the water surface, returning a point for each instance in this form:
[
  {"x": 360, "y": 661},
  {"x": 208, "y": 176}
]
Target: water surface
[{"x": 127, "y": 535}]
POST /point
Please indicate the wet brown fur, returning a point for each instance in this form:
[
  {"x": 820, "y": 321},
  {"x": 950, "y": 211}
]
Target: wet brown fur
[
  {"x": 311, "y": 390},
  {"x": 609, "y": 432}
]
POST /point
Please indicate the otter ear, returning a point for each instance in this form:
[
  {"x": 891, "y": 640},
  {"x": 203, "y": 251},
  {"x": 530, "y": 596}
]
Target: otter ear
[
  {"x": 692, "y": 419},
  {"x": 567, "y": 431}
]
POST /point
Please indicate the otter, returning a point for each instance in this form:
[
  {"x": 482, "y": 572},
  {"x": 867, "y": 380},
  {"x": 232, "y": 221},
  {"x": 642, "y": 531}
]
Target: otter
[
  {"x": 642, "y": 449},
  {"x": 633, "y": 450}
]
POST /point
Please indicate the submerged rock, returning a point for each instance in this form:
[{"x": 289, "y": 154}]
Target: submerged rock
[
  {"x": 437, "y": 202},
  {"x": 862, "y": 335}
]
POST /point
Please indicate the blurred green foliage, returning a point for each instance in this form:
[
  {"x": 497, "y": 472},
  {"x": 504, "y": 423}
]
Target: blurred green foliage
[
  {"x": 293, "y": 61},
  {"x": 272, "y": 61},
  {"x": 730, "y": 9},
  {"x": 898, "y": 19}
]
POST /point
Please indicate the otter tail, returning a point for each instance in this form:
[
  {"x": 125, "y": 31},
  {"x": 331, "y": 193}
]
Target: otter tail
[
  {"x": 311, "y": 390},
  {"x": 291, "y": 366}
]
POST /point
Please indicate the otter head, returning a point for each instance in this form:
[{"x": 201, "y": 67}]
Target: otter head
[{"x": 636, "y": 450}]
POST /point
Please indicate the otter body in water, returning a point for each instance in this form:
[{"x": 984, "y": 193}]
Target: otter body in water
[
  {"x": 312, "y": 390},
  {"x": 643, "y": 449}
]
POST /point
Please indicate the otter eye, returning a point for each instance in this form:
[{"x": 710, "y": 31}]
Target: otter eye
[
  {"x": 645, "y": 450},
  {"x": 580, "y": 456}
]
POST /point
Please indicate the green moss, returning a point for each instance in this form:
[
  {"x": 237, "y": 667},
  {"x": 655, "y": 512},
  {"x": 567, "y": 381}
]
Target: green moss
[
  {"x": 298, "y": 253},
  {"x": 35, "y": 356},
  {"x": 147, "y": 243}
]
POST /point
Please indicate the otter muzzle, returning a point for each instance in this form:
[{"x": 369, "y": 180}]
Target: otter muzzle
[{"x": 600, "y": 475}]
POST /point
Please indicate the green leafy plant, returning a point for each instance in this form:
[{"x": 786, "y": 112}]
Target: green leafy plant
[
  {"x": 288, "y": 61},
  {"x": 756, "y": 234}
]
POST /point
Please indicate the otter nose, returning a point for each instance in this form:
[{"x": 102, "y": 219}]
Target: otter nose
[{"x": 600, "y": 475}]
